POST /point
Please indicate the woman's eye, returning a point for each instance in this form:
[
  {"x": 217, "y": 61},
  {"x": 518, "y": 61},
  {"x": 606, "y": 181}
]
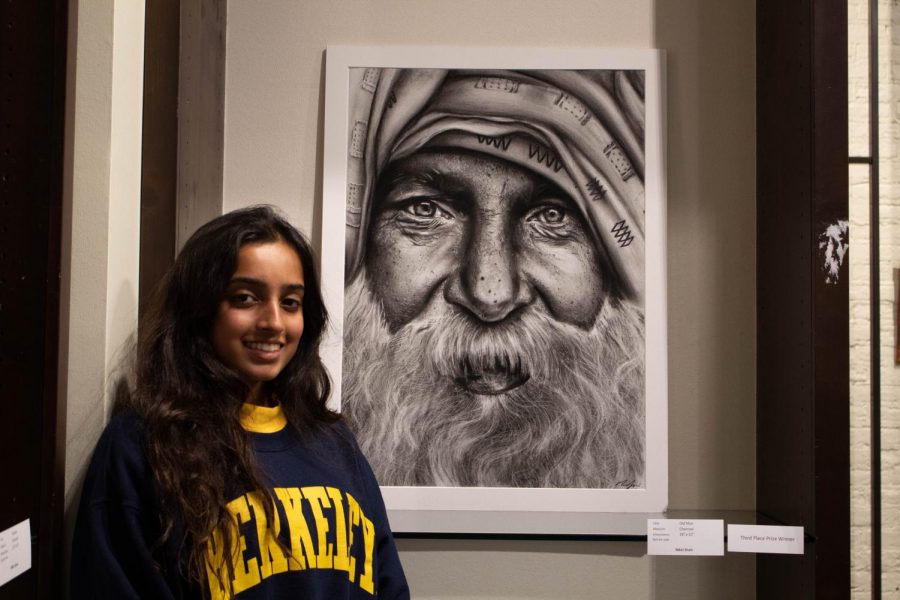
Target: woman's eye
[
  {"x": 292, "y": 304},
  {"x": 242, "y": 300},
  {"x": 550, "y": 215}
]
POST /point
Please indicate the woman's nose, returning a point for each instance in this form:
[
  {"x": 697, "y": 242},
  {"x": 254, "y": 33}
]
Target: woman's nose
[{"x": 270, "y": 317}]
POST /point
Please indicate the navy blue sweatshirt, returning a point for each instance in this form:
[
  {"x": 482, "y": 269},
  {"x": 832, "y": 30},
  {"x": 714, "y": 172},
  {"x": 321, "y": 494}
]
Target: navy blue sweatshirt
[{"x": 330, "y": 515}]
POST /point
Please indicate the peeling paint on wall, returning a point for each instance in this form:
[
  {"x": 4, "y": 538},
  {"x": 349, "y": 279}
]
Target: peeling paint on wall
[{"x": 833, "y": 246}]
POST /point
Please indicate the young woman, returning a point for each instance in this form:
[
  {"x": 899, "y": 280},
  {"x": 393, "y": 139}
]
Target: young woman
[{"x": 223, "y": 473}]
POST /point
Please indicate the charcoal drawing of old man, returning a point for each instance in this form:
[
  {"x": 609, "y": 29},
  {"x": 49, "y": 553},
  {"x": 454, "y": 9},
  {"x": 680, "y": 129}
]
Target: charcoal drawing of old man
[{"x": 494, "y": 287}]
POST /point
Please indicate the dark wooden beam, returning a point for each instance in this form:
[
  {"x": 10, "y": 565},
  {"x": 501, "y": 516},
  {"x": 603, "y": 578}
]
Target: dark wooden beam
[
  {"x": 32, "y": 434},
  {"x": 201, "y": 115},
  {"x": 803, "y": 385},
  {"x": 159, "y": 148}
]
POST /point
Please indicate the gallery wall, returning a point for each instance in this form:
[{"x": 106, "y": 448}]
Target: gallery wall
[
  {"x": 273, "y": 142},
  {"x": 274, "y": 109},
  {"x": 101, "y": 217}
]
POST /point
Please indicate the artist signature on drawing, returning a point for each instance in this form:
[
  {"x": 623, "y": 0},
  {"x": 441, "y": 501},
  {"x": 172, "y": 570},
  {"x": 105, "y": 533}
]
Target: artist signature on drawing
[{"x": 626, "y": 484}]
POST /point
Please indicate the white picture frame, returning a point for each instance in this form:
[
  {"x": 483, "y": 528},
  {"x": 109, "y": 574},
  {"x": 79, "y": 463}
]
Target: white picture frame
[{"x": 509, "y": 510}]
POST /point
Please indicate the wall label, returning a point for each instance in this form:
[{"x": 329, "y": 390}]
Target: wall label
[
  {"x": 15, "y": 551},
  {"x": 685, "y": 537},
  {"x": 769, "y": 539}
]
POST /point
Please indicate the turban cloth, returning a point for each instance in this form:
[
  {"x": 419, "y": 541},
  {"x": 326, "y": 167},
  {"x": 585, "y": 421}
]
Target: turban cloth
[{"x": 582, "y": 130}]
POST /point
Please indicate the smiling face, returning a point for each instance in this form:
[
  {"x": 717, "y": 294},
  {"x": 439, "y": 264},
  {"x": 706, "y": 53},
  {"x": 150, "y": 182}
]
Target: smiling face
[{"x": 259, "y": 321}]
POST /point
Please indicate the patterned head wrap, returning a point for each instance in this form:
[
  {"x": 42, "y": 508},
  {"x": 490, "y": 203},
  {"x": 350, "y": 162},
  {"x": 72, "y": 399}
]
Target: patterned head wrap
[{"x": 582, "y": 130}]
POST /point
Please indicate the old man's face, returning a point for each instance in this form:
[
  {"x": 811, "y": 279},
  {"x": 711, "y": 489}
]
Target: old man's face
[
  {"x": 493, "y": 330},
  {"x": 484, "y": 343},
  {"x": 456, "y": 232}
]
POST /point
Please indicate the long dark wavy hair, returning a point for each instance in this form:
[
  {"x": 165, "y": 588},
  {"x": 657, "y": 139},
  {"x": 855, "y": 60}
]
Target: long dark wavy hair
[{"x": 189, "y": 400}]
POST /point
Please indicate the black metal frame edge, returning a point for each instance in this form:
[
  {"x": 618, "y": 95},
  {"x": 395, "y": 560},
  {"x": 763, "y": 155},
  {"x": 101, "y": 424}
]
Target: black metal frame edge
[{"x": 875, "y": 299}]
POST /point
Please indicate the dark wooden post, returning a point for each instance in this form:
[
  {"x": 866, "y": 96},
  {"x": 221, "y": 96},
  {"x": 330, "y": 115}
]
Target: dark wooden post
[
  {"x": 803, "y": 453},
  {"x": 159, "y": 144},
  {"x": 32, "y": 432}
]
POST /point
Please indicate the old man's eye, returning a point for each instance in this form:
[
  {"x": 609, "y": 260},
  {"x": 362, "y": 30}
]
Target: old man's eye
[
  {"x": 550, "y": 215},
  {"x": 424, "y": 208},
  {"x": 552, "y": 222},
  {"x": 419, "y": 214}
]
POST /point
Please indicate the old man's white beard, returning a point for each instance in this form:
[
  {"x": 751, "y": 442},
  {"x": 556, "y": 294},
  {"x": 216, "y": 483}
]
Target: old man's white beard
[{"x": 577, "y": 422}]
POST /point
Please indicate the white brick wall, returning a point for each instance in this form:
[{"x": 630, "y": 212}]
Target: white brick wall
[{"x": 860, "y": 375}]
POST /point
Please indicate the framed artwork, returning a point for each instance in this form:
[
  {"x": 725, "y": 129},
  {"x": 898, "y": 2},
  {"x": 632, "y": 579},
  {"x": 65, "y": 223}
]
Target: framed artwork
[{"x": 494, "y": 263}]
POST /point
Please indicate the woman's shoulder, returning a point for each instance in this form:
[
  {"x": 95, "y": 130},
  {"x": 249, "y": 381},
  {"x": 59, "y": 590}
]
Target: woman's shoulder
[
  {"x": 125, "y": 435},
  {"x": 125, "y": 422},
  {"x": 340, "y": 429},
  {"x": 334, "y": 443},
  {"x": 331, "y": 436},
  {"x": 343, "y": 436}
]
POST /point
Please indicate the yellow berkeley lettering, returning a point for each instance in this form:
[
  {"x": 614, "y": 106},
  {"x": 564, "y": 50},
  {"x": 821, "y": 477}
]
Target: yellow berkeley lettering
[
  {"x": 246, "y": 572},
  {"x": 271, "y": 557},
  {"x": 365, "y": 582},
  {"x": 352, "y": 521},
  {"x": 301, "y": 541},
  {"x": 346, "y": 518},
  {"x": 215, "y": 559},
  {"x": 341, "y": 553},
  {"x": 318, "y": 500}
]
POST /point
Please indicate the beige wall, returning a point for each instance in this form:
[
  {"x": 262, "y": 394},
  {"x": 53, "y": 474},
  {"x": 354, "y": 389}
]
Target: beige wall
[
  {"x": 100, "y": 221},
  {"x": 273, "y": 150},
  {"x": 101, "y": 215},
  {"x": 860, "y": 498},
  {"x": 889, "y": 244}
]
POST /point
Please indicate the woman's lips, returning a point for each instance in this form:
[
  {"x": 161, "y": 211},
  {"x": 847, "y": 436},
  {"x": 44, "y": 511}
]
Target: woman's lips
[
  {"x": 265, "y": 351},
  {"x": 264, "y": 346}
]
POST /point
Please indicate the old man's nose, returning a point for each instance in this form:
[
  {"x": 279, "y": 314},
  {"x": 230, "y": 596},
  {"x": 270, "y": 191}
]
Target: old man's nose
[{"x": 488, "y": 282}]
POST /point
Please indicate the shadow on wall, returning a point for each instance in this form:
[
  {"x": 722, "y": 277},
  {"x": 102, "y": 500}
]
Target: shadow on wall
[
  {"x": 711, "y": 87},
  {"x": 589, "y": 569},
  {"x": 712, "y": 245}
]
